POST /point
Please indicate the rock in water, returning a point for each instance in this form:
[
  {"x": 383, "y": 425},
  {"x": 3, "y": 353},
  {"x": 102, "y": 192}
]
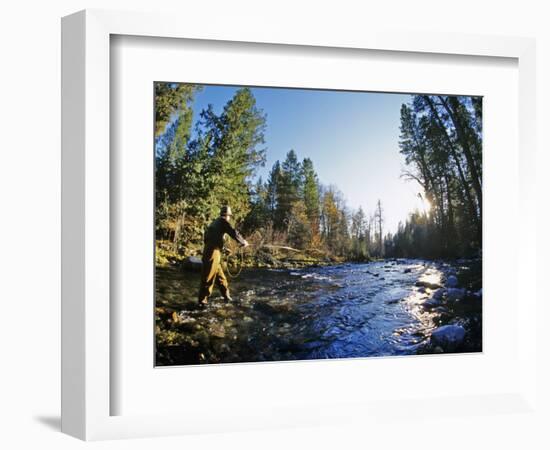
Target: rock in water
[
  {"x": 448, "y": 337},
  {"x": 456, "y": 294},
  {"x": 452, "y": 281},
  {"x": 217, "y": 330},
  {"x": 427, "y": 284},
  {"x": 192, "y": 263},
  {"x": 432, "y": 303},
  {"x": 265, "y": 308}
]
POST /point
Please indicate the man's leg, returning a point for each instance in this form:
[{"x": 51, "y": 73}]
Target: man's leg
[
  {"x": 210, "y": 264},
  {"x": 222, "y": 283}
]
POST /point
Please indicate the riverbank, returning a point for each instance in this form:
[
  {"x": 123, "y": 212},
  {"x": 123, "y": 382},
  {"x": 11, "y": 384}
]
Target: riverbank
[{"x": 267, "y": 256}]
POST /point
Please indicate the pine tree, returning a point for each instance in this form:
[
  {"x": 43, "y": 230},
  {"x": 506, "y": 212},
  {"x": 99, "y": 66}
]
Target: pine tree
[
  {"x": 289, "y": 189},
  {"x": 311, "y": 197},
  {"x": 441, "y": 141},
  {"x": 259, "y": 214},
  {"x": 234, "y": 139},
  {"x": 174, "y": 116},
  {"x": 272, "y": 187},
  {"x": 170, "y": 98},
  {"x": 359, "y": 243},
  {"x": 378, "y": 216}
]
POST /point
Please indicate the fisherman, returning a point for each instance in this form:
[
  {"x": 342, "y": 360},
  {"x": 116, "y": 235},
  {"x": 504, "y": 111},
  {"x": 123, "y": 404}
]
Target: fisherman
[{"x": 211, "y": 256}]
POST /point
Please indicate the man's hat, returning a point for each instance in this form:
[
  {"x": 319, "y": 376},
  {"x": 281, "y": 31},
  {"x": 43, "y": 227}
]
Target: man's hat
[{"x": 225, "y": 211}]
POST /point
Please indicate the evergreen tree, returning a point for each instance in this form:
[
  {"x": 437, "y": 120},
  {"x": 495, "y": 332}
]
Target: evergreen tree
[
  {"x": 441, "y": 141},
  {"x": 311, "y": 197},
  {"x": 171, "y": 98},
  {"x": 259, "y": 214},
  {"x": 233, "y": 140},
  {"x": 194, "y": 178},
  {"x": 379, "y": 219},
  {"x": 272, "y": 189},
  {"x": 289, "y": 189},
  {"x": 359, "y": 242},
  {"x": 170, "y": 152}
]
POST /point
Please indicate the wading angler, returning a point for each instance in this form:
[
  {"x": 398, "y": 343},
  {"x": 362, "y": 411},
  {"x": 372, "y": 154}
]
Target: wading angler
[{"x": 212, "y": 271}]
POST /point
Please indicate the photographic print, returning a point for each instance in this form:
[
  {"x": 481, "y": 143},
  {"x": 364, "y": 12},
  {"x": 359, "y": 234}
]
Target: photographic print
[{"x": 302, "y": 224}]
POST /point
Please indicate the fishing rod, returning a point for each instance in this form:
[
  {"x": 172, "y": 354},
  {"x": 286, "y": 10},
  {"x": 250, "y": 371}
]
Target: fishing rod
[
  {"x": 234, "y": 261},
  {"x": 234, "y": 257}
]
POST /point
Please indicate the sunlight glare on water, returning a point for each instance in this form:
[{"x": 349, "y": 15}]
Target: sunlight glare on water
[{"x": 426, "y": 318}]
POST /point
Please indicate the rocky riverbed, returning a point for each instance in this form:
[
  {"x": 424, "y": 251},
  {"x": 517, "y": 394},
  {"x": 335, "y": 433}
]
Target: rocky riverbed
[{"x": 382, "y": 308}]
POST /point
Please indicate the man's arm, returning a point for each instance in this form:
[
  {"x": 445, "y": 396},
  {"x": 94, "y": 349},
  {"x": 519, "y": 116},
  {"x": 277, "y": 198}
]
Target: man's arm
[{"x": 234, "y": 233}]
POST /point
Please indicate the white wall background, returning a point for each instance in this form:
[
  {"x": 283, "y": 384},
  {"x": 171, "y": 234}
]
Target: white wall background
[{"x": 30, "y": 199}]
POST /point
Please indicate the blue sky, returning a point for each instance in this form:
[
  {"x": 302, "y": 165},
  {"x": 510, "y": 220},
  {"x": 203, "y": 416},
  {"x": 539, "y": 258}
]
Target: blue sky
[{"x": 351, "y": 137}]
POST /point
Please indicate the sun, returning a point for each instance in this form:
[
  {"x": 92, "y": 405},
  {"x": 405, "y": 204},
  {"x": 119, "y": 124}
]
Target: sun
[{"x": 426, "y": 205}]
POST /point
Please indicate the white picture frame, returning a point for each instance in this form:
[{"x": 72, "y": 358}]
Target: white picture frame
[{"x": 86, "y": 220}]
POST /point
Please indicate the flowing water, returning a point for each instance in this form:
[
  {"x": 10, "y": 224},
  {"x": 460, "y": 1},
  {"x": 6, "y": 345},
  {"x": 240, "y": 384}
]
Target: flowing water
[{"x": 340, "y": 311}]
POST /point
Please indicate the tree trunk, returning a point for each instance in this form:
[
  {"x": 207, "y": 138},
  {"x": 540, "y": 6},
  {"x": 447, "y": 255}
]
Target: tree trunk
[
  {"x": 450, "y": 232},
  {"x": 452, "y": 151},
  {"x": 177, "y": 231},
  {"x": 429, "y": 184},
  {"x": 453, "y": 112}
]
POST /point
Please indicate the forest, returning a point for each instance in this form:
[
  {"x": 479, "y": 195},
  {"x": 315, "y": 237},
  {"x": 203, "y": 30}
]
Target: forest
[{"x": 212, "y": 160}]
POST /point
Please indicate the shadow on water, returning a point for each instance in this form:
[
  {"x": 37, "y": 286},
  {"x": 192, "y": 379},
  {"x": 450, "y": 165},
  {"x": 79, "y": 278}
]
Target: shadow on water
[{"x": 349, "y": 310}]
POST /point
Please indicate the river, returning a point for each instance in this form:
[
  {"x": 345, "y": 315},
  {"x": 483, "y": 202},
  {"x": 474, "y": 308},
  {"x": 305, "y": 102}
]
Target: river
[{"x": 380, "y": 308}]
